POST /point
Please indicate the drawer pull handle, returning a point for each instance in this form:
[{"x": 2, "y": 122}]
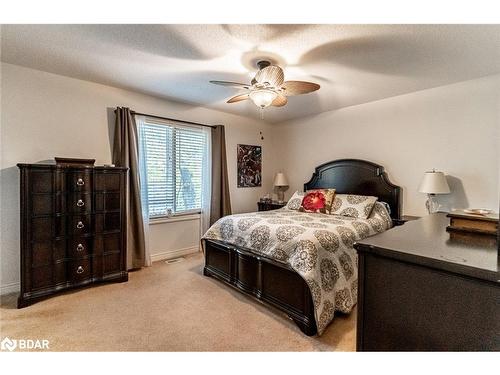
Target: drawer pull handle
[
  {"x": 80, "y": 225},
  {"x": 80, "y": 247},
  {"x": 79, "y": 269},
  {"x": 80, "y": 203},
  {"x": 80, "y": 182}
]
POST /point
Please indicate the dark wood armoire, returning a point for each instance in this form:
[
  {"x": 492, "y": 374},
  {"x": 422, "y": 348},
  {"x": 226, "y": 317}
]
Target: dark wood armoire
[{"x": 73, "y": 227}]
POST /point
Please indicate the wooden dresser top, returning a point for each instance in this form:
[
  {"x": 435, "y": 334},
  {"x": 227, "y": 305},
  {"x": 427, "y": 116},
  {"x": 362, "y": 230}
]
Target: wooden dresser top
[
  {"x": 55, "y": 166},
  {"x": 426, "y": 242}
]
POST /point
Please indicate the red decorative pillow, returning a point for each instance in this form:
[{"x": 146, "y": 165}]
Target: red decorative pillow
[
  {"x": 314, "y": 201},
  {"x": 318, "y": 200}
]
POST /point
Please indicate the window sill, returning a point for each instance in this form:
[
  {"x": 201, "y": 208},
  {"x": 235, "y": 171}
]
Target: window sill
[{"x": 175, "y": 218}]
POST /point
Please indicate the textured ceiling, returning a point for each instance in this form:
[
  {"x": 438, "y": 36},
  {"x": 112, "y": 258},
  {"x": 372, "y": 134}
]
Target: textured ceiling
[{"x": 353, "y": 63}]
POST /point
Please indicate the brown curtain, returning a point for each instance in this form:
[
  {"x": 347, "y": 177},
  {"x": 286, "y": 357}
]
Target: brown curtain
[
  {"x": 221, "y": 203},
  {"x": 126, "y": 154}
]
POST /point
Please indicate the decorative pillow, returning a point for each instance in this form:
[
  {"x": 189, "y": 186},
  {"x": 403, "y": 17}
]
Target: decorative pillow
[
  {"x": 295, "y": 201},
  {"x": 359, "y": 206},
  {"x": 319, "y": 200}
]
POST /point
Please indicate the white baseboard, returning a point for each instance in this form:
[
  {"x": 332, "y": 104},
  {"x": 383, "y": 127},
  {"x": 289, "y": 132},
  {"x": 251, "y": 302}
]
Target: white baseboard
[
  {"x": 165, "y": 255},
  {"x": 10, "y": 288}
]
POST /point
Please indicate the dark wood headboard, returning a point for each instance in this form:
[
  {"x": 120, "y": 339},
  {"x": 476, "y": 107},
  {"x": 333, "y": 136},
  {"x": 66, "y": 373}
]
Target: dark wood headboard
[{"x": 354, "y": 176}]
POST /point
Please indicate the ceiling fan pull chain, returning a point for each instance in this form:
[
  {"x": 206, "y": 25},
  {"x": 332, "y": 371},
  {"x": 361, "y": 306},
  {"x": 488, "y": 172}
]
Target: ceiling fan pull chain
[{"x": 262, "y": 113}]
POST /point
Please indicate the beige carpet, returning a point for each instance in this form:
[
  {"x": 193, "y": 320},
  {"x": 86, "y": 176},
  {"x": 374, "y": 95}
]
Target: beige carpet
[{"x": 165, "y": 308}]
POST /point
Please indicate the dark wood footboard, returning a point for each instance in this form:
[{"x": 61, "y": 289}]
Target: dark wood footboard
[{"x": 263, "y": 278}]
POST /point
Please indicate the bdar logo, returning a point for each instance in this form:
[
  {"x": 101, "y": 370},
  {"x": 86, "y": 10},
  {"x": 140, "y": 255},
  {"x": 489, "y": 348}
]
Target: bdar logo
[{"x": 8, "y": 344}]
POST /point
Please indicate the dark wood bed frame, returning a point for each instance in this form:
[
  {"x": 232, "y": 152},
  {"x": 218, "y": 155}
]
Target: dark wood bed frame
[{"x": 276, "y": 283}]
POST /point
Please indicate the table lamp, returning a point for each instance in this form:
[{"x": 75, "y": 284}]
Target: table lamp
[
  {"x": 280, "y": 182},
  {"x": 433, "y": 183}
]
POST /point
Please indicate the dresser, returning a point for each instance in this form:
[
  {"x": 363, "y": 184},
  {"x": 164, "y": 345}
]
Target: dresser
[
  {"x": 420, "y": 289},
  {"x": 72, "y": 228}
]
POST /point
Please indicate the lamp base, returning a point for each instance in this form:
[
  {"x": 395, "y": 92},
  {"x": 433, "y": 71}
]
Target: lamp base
[
  {"x": 431, "y": 205},
  {"x": 281, "y": 196}
]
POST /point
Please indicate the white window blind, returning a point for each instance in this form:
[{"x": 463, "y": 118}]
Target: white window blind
[{"x": 174, "y": 157}]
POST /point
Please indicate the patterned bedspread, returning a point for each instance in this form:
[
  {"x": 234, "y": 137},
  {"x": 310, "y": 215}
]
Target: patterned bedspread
[{"x": 317, "y": 246}]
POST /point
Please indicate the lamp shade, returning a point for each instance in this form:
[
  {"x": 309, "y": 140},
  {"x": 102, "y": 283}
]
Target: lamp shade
[
  {"x": 280, "y": 179},
  {"x": 434, "y": 183}
]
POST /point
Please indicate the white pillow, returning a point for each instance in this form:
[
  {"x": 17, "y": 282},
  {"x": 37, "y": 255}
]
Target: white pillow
[
  {"x": 359, "y": 206},
  {"x": 295, "y": 202},
  {"x": 380, "y": 218}
]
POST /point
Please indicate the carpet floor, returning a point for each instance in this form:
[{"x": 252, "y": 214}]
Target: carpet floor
[{"x": 166, "y": 307}]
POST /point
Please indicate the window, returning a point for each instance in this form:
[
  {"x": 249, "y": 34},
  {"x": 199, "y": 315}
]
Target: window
[{"x": 173, "y": 158}]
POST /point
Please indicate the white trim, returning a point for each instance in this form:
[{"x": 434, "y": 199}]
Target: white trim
[
  {"x": 174, "y": 253},
  {"x": 173, "y": 219},
  {"x": 10, "y": 288}
]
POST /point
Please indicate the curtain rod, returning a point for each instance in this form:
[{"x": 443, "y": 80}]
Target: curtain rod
[{"x": 172, "y": 119}]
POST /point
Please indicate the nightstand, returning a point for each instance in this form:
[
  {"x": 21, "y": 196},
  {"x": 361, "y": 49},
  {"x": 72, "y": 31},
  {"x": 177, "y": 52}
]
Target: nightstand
[
  {"x": 270, "y": 206},
  {"x": 404, "y": 219}
]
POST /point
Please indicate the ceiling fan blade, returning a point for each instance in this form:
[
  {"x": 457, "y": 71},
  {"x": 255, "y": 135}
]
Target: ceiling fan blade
[
  {"x": 238, "y": 98},
  {"x": 231, "y": 84},
  {"x": 280, "y": 101},
  {"x": 290, "y": 88},
  {"x": 271, "y": 74}
]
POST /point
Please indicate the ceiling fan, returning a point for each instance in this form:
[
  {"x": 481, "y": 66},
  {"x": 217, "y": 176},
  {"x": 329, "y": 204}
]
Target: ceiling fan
[{"x": 269, "y": 87}]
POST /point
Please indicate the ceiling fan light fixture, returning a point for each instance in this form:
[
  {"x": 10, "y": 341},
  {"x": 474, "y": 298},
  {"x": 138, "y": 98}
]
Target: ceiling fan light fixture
[{"x": 263, "y": 97}]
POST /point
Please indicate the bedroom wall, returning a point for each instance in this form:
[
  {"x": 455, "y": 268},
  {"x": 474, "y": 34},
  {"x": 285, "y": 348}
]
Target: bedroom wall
[
  {"x": 45, "y": 115},
  {"x": 453, "y": 128}
]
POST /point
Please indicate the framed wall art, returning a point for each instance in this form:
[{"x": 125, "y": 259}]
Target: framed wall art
[{"x": 249, "y": 161}]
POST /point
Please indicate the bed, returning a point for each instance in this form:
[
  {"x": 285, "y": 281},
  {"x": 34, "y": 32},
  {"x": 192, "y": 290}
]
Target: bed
[{"x": 257, "y": 266}]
